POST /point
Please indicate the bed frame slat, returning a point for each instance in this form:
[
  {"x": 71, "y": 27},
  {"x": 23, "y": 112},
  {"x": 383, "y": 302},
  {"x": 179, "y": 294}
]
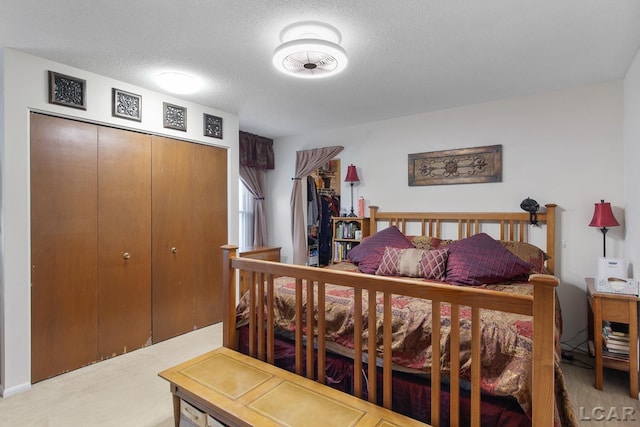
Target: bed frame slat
[
  {"x": 357, "y": 343},
  {"x": 475, "y": 366},
  {"x": 386, "y": 350},
  {"x": 309, "y": 334},
  {"x": 298, "y": 332},
  {"x": 259, "y": 327},
  {"x": 321, "y": 354},
  {"x": 372, "y": 372},
  {"x": 454, "y": 380},
  {"x": 435, "y": 361},
  {"x": 271, "y": 327}
]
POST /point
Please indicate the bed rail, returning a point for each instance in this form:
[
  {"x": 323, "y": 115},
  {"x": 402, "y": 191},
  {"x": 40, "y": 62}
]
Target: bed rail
[{"x": 541, "y": 306}]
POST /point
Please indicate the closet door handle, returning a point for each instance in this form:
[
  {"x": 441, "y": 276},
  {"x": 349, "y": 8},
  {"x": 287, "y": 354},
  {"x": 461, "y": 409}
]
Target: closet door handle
[
  {"x": 174, "y": 250},
  {"x": 126, "y": 255}
]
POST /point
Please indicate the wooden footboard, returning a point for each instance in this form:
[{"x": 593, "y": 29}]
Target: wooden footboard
[{"x": 541, "y": 306}]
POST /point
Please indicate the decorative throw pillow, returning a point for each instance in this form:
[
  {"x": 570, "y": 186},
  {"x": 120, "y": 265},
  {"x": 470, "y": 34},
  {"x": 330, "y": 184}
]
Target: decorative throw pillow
[
  {"x": 368, "y": 254},
  {"x": 428, "y": 242},
  {"x": 528, "y": 253},
  {"x": 430, "y": 264},
  {"x": 480, "y": 259},
  {"x": 434, "y": 264}
]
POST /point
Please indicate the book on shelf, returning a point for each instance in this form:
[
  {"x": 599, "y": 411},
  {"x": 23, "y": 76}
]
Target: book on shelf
[
  {"x": 615, "y": 338},
  {"x": 619, "y": 350}
]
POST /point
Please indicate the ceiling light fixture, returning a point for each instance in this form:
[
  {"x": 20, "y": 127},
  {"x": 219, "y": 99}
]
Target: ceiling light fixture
[
  {"x": 180, "y": 83},
  {"x": 310, "y": 50}
]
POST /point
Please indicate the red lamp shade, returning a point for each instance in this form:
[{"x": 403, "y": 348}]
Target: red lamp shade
[
  {"x": 352, "y": 174},
  {"x": 603, "y": 216}
]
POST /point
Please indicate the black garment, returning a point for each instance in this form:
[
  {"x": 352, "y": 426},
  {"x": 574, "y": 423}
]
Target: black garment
[{"x": 329, "y": 207}]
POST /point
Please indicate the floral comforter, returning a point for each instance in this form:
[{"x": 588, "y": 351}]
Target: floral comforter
[{"x": 507, "y": 339}]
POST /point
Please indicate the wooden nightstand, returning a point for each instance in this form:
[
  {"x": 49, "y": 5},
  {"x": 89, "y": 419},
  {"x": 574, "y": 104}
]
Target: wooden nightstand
[
  {"x": 614, "y": 308},
  {"x": 266, "y": 253}
]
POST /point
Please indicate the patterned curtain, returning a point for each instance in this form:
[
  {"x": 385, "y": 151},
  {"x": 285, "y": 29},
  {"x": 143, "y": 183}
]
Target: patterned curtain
[{"x": 256, "y": 151}]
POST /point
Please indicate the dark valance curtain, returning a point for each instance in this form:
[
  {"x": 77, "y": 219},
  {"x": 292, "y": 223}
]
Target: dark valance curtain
[
  {"x": 256, "y": 155},
  {"x": 256, "y": 151}
]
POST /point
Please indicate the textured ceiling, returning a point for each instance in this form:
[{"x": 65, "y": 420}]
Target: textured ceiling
[{"x": 405, "y": 57}]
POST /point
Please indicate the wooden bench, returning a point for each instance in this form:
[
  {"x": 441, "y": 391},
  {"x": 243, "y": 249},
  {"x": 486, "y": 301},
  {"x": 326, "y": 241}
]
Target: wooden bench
[{"x": 238, "y": 390}]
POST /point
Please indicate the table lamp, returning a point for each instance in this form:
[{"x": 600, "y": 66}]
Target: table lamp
[
  {"x": 603, "y": 218},
  {"x": 352, "y": 177}
]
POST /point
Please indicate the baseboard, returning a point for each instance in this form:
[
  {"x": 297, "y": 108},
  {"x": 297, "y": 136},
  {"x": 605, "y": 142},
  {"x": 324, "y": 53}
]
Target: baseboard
[{"x": 21, "y": 388}]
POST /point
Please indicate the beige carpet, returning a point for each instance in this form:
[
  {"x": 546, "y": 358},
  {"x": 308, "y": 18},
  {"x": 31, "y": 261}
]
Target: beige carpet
[
  {"x": 608, "y": 407},
  {"x": 126, "y": 390},
  {"x": 123, "y": 391}
]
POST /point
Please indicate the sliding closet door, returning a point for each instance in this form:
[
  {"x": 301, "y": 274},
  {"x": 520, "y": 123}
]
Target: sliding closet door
[
  {"x": 172, "y": 253},
  {"x": 63, "y": 245},
  {"x": 124, "y": 241},
  {"x": 210, "y": 225}
]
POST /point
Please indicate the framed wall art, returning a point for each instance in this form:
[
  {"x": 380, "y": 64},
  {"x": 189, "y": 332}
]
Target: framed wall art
[
  {"x": 175, "y": 117},
  {"x": 68, "y": 91},
  {"x": 212, "y": 126},
  {"x": 126, "y": 105},
  {"x": 461, "y": 166}
]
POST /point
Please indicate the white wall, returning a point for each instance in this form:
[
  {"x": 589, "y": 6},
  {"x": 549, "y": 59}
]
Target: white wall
[
  {"x": 631, "y": 169},
  {"x": 25, "y": 89},
  {"x": 561, "y": 147}
]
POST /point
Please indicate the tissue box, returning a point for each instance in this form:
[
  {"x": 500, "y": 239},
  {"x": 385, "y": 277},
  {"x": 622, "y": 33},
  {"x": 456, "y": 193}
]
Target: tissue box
[{"x": 617, "y": 286}]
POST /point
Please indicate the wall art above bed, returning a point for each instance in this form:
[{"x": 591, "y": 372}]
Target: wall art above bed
[{"x": 461, "y": 166}]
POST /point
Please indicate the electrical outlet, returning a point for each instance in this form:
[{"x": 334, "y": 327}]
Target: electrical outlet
[{"x": 564, "y": 243}]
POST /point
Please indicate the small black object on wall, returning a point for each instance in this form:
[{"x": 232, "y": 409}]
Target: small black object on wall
[{"x": 532, "y": 207}]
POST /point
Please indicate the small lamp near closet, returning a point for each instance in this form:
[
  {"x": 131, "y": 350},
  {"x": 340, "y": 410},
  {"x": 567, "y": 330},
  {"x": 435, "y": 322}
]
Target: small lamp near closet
[
  {"x": 352, "y": 177},
  {"x": 603, "y": 218}
]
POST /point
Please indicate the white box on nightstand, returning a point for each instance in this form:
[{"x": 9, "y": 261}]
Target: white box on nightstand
[{"x": 616, "y": 285}]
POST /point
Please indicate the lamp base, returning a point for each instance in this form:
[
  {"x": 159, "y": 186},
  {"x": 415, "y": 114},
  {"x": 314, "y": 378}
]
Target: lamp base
[
  {"x": 352, "y": 214},
  {"x": 604, "y": 241}
]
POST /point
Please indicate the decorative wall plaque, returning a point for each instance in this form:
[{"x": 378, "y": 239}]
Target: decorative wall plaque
[
  {"x": 126, "y": 105},
  {"x": 212, "y": 126},
  {"x": 68, "y": 91},
  {"x": 175, "y": 117},
  {"x": 462, "y": 166}
]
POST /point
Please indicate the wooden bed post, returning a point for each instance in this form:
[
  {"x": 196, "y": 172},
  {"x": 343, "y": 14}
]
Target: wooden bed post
[
  {"x": 551, "y": 236},
  {"x": 229, "y": 297},
  {"x": 542, "y": 379},
  {"x": 373, "y": 222}
]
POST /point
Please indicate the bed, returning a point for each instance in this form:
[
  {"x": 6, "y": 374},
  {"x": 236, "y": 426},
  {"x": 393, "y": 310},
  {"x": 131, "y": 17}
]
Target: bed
[{"x": 499, "y": 356}]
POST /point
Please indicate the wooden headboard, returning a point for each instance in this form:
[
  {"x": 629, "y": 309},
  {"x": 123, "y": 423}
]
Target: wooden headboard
[{"x": 512, "y": 226}]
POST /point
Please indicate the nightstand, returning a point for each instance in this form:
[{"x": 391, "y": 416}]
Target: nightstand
[{"x": 614, "y": 308}]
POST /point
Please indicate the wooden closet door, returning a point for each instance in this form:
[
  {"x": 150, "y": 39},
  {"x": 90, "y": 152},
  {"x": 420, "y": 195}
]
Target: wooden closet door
[
  {"x": 124, "y": 241},
  {"x": 63, "y": 245},
  {"x": 172, "y": 254},
  {"x": 210, "y": 226}
]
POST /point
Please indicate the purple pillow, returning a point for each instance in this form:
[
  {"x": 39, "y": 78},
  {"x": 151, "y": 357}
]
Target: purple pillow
[
  {"x": 480, "y": 259},
  {"x": 368, "y": 254}
]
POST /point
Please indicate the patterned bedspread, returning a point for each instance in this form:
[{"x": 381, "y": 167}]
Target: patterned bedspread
[{"x": 506, "y": 338}]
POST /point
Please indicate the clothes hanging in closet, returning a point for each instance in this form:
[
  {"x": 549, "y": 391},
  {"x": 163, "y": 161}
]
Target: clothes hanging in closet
[{"x": 330, "y": 206}]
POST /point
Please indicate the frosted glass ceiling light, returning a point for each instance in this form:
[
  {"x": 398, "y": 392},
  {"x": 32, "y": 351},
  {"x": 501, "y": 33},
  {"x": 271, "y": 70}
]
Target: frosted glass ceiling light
[
  {"x": 310, "y": 50},
  {"x": 178, "y": 82}
]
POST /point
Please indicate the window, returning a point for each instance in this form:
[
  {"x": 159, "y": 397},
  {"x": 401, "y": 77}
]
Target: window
[{"x": 247, "y": 204}]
